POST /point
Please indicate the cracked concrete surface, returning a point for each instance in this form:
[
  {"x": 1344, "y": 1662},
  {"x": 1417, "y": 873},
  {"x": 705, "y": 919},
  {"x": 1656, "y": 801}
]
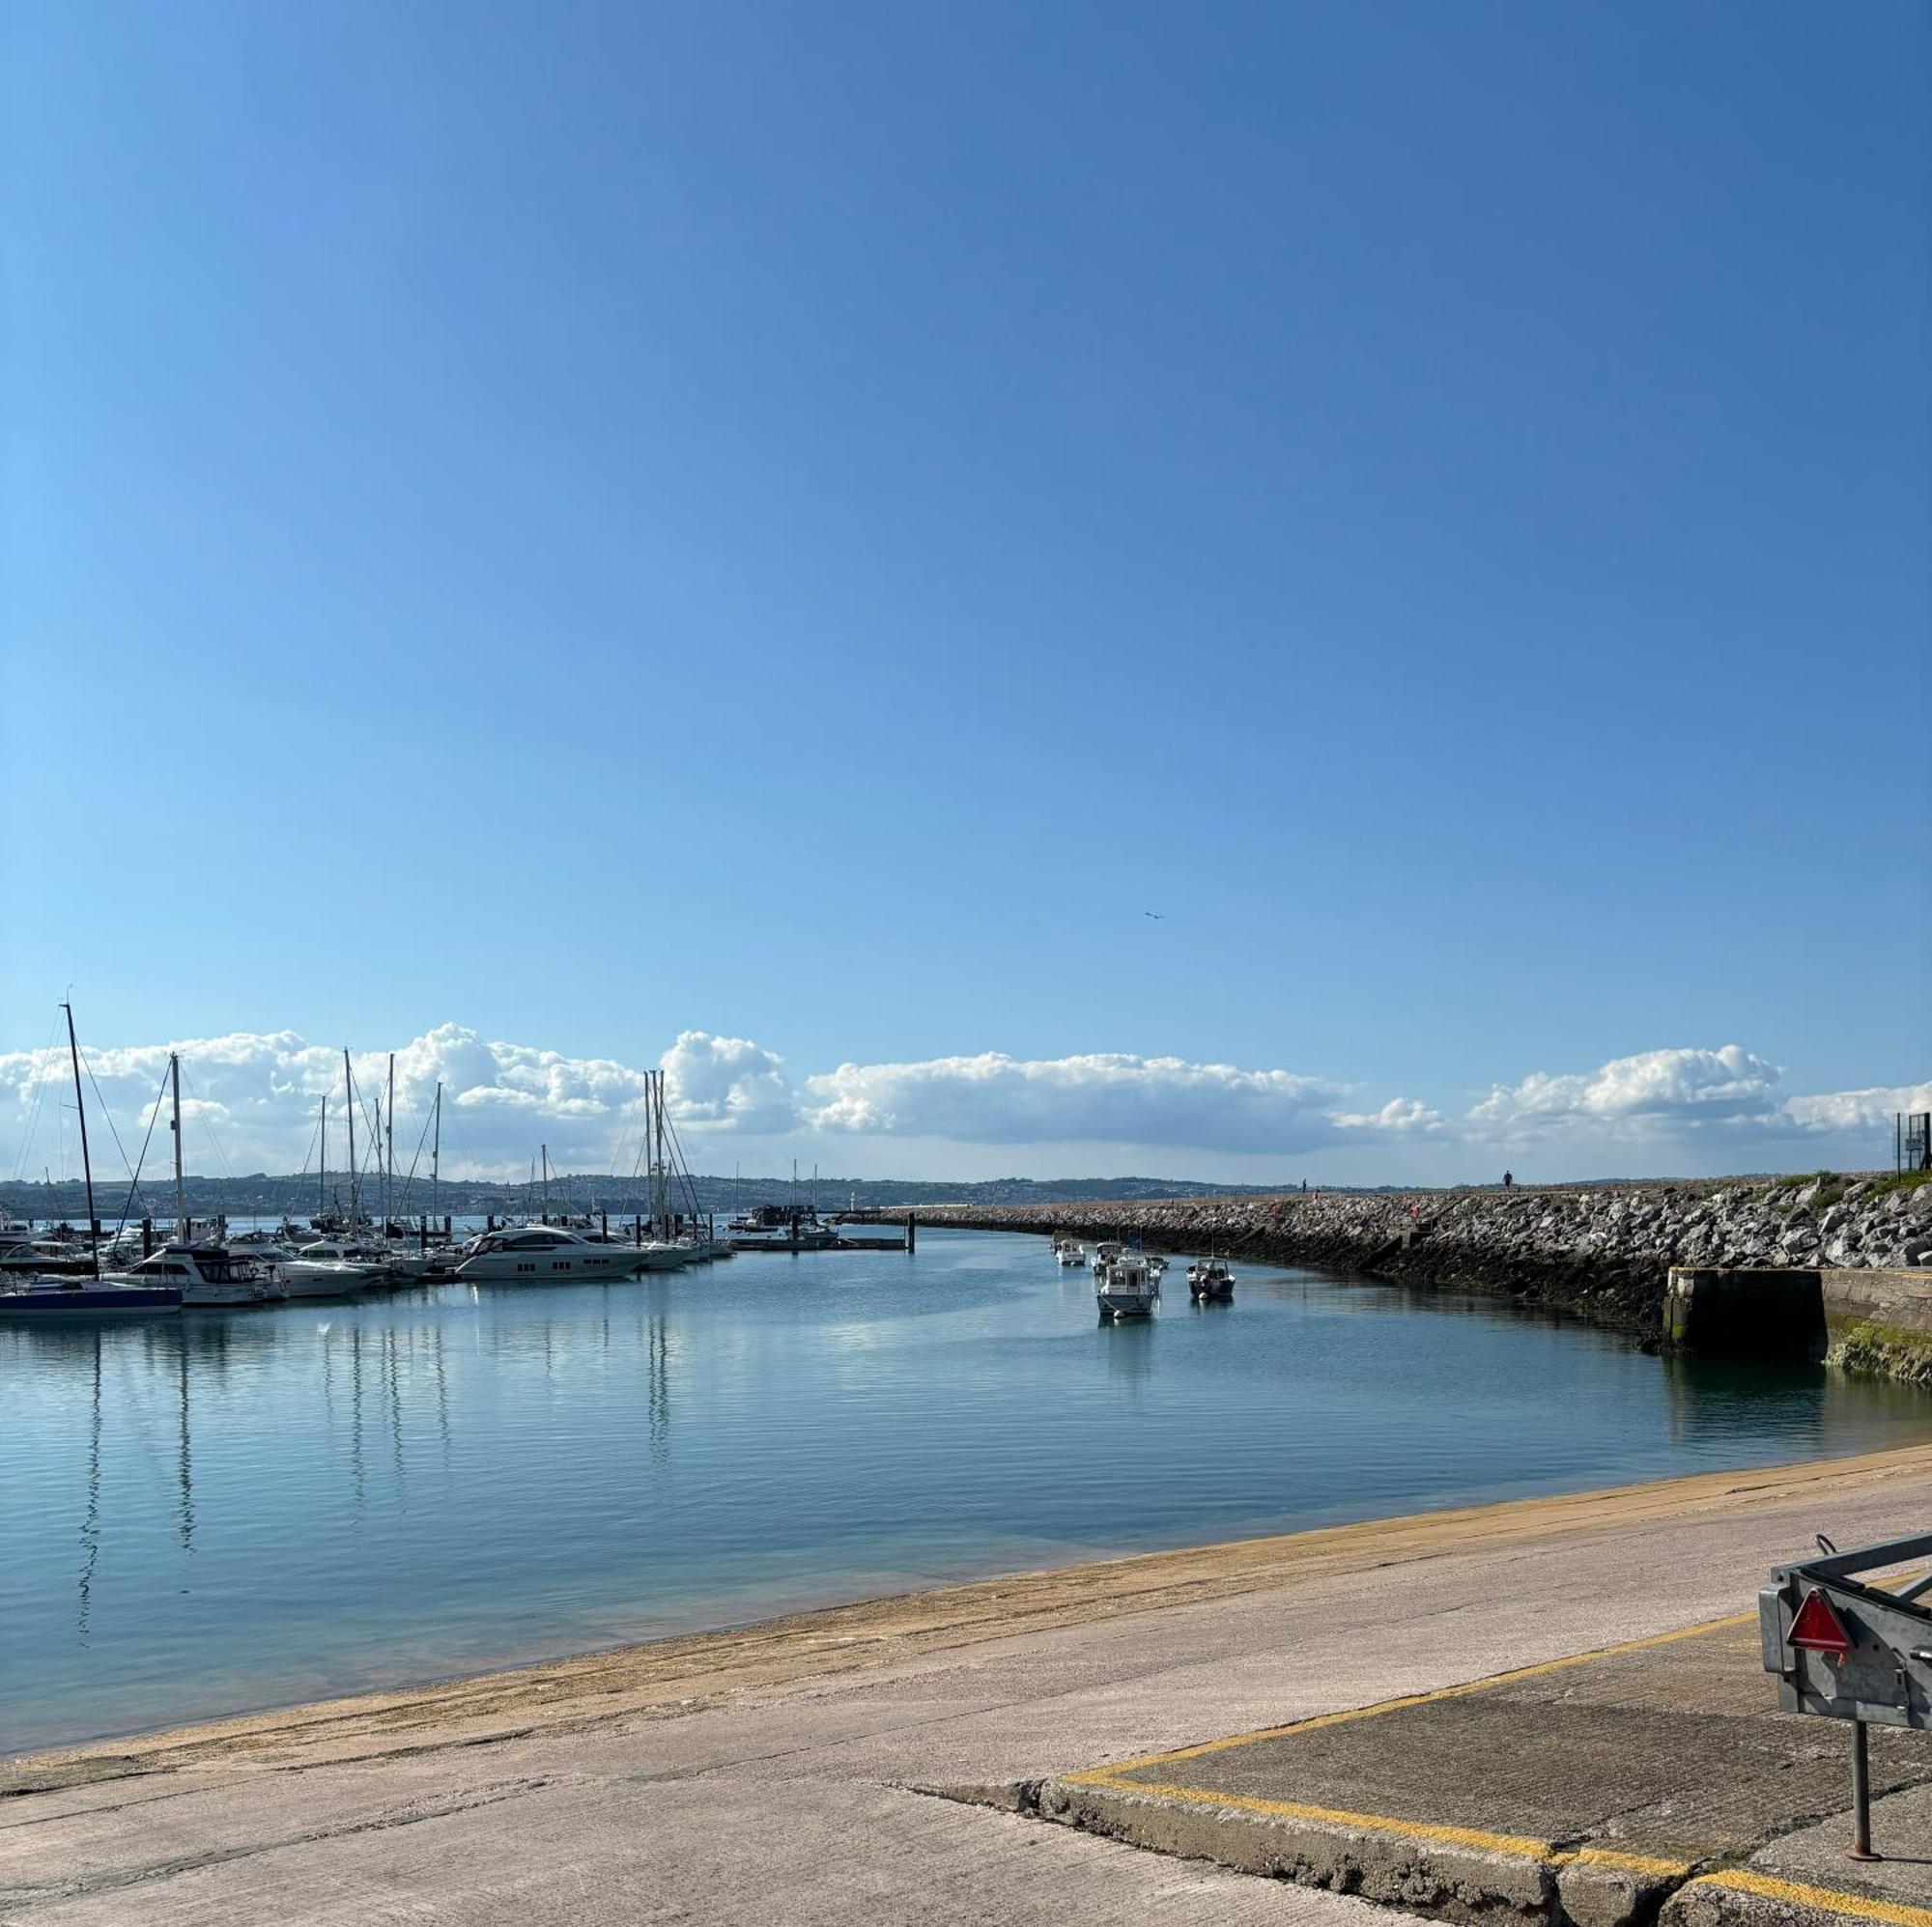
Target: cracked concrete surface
[{"x": 770, "y": 1774}]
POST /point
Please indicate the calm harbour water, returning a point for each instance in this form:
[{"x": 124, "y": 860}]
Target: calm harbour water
[{"x": 238, "y": 1510}]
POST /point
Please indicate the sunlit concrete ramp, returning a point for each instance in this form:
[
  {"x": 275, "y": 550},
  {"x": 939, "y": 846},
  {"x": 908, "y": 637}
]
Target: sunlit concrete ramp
[{"x": 1598, "y": 1790}]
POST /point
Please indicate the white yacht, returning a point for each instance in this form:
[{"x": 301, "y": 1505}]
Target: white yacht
[
  {"x": 22, "y": 1249},
  {"x": 333, "y": 1268},
  {"x": 205, "y": 1274},
  {"x": 548, "y": 1255},
  {"x": 1070, "y": 1252},
  {"x": 1105, "y": 1252},
  {"x": 1125, "y": 1287}
]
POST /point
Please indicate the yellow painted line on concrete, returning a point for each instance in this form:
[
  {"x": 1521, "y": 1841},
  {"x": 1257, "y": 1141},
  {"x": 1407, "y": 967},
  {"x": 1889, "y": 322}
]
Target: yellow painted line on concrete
[
  {"x": 1826, "y": 1899},
  {"x": 1326, "y": 1719},
  {"x": 1629, "y": 1863},
  {"x": 1516, "y": 1845}
]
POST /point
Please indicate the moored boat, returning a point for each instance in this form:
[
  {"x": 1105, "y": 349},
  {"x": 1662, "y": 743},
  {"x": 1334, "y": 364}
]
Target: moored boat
[
  {"x": 40, "y": 1296},
  {"x": 548, "y": 1255},
  {"x": 1210, "y": 1279},
  {"x": 206, "y": 1275},
  {"x": 334, "y": 1268},
  {"x": 1124, "y": 1287}
]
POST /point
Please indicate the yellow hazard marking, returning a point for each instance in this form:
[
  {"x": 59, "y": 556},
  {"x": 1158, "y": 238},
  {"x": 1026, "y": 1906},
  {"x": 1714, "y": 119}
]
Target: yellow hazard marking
[
  {"x": 1518, "y": 1846},
  {"x": 1629, "y": 1863},
  {"x": 1826, "y": 1899},
  {"x": 1326, "y": 1719},
  {"x": 1514, "y": 1844}
]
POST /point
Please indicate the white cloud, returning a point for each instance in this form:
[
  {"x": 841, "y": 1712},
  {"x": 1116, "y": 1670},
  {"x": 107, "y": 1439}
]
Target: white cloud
[
  {"x": 1112, "y": 1099},
  {"x": 1668, "y": 1089},
  {"x": 1872, "y": 1109},
  {"x": 728, "y": 1084},
  {"x": 1400, "y": 1116},
  {"x": 250, "y": 1103}
]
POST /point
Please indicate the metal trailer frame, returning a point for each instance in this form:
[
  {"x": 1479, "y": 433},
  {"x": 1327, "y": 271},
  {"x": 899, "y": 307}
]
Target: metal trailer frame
[{"x": 1883, "y": 1675}]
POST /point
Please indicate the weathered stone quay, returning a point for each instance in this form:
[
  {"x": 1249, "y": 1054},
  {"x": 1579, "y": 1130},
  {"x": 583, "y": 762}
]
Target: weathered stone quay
[{"x": 1602, "y": 1252}]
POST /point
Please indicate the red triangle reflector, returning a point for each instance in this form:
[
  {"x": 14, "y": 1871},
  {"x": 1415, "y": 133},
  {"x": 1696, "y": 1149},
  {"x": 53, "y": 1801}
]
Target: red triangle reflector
[{"x": 1818, "y": 1628}]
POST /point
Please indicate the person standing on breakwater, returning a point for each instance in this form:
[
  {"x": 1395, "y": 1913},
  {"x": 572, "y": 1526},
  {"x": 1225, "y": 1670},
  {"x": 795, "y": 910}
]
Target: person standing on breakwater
[{"x": 1508, "y": 1180}]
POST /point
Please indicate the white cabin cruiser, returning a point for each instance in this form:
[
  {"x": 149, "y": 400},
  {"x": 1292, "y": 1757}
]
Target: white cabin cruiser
[
  {"x": 1125, "y": 1287},
  {"x": 206, "y": 1275},
  {"x": 1105, "y": 1252},
  {"x": 548, "y": 1255},
  {"x": 334, "y": 1268},
  {"x": 1070, "y": 1252}
]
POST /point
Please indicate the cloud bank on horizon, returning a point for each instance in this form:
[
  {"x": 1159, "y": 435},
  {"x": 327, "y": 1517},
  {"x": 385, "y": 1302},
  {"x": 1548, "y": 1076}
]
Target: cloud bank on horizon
[{"x": 254, "y": 1102}]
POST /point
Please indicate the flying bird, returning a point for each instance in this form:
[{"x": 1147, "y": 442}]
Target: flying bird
[{"x": 1158, "y": 916}]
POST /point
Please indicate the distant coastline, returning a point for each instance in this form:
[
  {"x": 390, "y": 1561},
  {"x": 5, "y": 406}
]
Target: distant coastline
[{"x": 262, "y": 1195}]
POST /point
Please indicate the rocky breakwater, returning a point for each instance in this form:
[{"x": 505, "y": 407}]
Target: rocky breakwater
[{"x": 1601, "y": 1251}]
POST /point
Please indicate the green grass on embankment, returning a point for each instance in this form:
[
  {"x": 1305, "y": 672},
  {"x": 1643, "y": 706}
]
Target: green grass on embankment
[{"x": 1882, "y": 1350}]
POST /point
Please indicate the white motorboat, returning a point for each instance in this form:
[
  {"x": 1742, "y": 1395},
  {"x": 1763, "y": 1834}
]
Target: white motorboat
[
  {"x": 206, "y": 1275},
  {"x": 30, "y": 1253},
  {"x": 1070, "y": 1252},
  {"x": 548, "y": 1255},
  {"x": 1125, "y": 1287},
  {"x": 1105, "y": 1252},
  {"x": 38, "y": 1296},
  {"x": 1209, "y": 1278},
  {"x": 334, "y": 1268}
]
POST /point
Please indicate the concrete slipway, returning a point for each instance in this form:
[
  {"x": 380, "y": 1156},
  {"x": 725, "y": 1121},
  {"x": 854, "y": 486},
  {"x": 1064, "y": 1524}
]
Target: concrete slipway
[{"x": 785, "y": 1772}]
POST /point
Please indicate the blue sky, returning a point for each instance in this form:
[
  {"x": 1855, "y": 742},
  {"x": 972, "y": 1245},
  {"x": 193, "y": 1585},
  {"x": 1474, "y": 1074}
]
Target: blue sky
[{"x": 800, "y": 524}]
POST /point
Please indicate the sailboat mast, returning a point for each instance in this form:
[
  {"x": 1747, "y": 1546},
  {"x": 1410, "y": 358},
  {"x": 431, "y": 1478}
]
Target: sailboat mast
[
  {"x": 389, "y": 1151},
  {"x": 436, "y": 1154},
  {"x": 348, "y": 1086},
  {"x": 321, "y": 1162},
  {"x": 664, "y": 1170},
  {"x": 86, "y": 1163},
  {"x": 183, "y": 1229},
  {"x": 545, "y": 1148}
]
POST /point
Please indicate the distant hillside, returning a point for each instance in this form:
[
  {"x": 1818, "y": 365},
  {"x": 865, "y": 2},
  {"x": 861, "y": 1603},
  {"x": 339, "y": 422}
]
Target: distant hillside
[{"x": 263, "y": 1196}]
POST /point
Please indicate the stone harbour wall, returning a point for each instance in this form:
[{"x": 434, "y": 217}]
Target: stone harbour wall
[{"x": 1602, "y": 1252}]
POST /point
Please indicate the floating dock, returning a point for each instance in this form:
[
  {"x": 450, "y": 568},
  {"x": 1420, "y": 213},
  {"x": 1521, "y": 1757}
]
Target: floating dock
[{"x": 820, "y": 1244}]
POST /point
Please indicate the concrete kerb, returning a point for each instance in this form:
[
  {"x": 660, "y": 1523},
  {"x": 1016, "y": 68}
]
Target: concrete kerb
[{"x": 1214, "y": 1801}]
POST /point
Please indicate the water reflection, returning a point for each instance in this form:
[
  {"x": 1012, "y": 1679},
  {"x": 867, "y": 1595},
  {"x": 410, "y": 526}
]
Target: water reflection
[
  {"x": 658, "y": 1396},
  {"x": 90, "y": 1523},
  {"x": 184, "y": 1456},
  {"x": 231, "y": 1509}
]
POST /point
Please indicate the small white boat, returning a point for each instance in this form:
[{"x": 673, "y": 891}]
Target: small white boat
[
  {"x": 1105, "y": 1252},
  {"x": 1125, "y": 1287},
  {"x": 1209, "y": 1278},
  {"x": 206, "y": 1275},
  {"x": 1070, "y": 1252},
  {"x": 548, "y": 1255}
]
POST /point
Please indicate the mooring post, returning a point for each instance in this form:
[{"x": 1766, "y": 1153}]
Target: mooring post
[
  {"x": 1861, "y": 1846},
  {"x": 603, "y": 1219},
  {"x": 147, "y": 1237},
  {"x": 912, "y": 1232}
]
